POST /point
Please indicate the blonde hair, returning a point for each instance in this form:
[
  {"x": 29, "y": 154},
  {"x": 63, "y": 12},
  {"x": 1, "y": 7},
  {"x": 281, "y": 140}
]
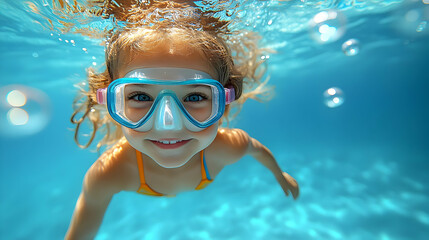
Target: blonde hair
[{"x": 234, "y": 56}]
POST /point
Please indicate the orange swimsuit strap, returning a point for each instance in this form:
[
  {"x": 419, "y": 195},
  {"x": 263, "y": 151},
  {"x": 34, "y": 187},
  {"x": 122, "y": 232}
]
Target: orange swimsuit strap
[
  {"x": 144, "y": 188},
  {"x": 205, "y": 176},
  {"x": 147, "y": 190}
]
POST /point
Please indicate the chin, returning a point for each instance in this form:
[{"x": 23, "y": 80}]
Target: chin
[
  {"x": 172, "y": 158},
  {"x": 170, "y": 164}
]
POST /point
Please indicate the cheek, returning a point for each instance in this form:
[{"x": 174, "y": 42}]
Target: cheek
[
  {"x": 134, "y": 138},
  {"x": 130, "y": 134},
  {"x": 209, "y": 133}
]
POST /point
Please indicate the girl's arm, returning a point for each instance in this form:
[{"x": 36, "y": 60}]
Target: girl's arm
[
  {"x": 97, "y": 191},
  {"x": 235, "y": 143},
  {"x": 264, "y": 156}
]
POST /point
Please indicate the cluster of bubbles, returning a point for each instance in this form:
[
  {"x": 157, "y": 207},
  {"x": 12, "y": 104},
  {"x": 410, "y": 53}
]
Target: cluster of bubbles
[
  {"x": 23, "y": 110},
  {"x": 329, "y": 26},
  {"x": 326, "y": 27},
  {"x": 73, "y": 43}
]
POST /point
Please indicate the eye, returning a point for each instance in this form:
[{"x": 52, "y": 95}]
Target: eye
[
  {"x": 195, "y": 97},
  {"x": 140, "y": 97}
]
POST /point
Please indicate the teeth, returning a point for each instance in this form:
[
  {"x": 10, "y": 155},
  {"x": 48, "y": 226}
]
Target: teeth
[{"x": 170, "y": 142}]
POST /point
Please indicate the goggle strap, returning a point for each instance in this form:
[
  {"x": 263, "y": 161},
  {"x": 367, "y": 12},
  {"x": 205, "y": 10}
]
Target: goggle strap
[
  {"x": 229, "y": 95},
  {"x": 101, "y": 96}
]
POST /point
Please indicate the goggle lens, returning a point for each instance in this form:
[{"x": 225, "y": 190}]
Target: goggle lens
[{"x": 137, "y": 101}]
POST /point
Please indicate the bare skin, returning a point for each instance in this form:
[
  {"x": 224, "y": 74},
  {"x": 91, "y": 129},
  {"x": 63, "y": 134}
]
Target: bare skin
[{"x": 116, "y": 170}]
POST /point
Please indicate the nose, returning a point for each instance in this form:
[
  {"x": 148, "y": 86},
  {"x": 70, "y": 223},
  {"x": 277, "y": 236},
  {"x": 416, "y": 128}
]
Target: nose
[{"x": 168, "y": 117}]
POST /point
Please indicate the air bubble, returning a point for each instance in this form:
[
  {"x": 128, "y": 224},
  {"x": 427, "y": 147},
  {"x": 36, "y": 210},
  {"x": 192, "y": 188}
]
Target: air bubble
[
  {"x": 421, "y": 27},
  {"x": 351, "y": 47},
  {"x": 333, "y": 97},
  {"x": 327, "y": 26},
  {"x": 265, "y": 57},
  {"x": 23, "y": 110}
]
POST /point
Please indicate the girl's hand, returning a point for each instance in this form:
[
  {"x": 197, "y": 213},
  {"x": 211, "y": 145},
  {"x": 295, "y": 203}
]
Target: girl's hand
[{"x": 289, "y": 184}]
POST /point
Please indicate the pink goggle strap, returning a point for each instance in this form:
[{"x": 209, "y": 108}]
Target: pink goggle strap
[
  {"x": 101, "y": 96},
  {"x": 229, "y": 95}
]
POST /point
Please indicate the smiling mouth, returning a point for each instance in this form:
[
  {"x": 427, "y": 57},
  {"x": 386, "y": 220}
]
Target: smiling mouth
[{"x": 169, "y": 144}]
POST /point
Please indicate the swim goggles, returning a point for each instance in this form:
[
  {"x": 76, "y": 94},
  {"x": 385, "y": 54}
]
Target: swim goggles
[{"x": 166, "y": 99}]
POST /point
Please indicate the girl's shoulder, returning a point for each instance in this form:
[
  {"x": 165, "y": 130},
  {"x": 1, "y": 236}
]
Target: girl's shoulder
[
  {"x": 232, "y": 135},
  {"x": 230, "y": 145},
  {"x": 120, "y": 153},
  {"x": 112, "y": 167}
]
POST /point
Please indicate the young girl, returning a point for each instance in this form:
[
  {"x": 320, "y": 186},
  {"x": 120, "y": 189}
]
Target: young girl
[{"x": 167, "y": 85}]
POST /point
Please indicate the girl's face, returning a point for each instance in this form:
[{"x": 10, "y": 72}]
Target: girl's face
[{"x": 169, "y": 148}]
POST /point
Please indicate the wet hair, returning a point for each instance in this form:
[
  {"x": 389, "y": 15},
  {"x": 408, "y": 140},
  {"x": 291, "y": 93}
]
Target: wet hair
[{"x": 234, "y": 55}]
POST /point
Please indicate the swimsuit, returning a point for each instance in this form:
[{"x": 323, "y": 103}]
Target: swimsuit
[{"x": 145, "y": 189}]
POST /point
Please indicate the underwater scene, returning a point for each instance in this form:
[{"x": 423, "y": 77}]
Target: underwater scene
[{"x": 348, "y": 119}]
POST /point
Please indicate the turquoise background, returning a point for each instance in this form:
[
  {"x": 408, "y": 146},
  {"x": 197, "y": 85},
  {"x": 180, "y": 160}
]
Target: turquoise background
[{"x": 362, "y": 167}]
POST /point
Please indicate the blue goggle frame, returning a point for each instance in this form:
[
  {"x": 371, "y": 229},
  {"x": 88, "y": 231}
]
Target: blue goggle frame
[{"x": 108, "y": 96}]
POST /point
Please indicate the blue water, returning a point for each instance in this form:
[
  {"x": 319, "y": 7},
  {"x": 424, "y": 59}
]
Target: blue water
[{"x": 362, "y": 166}]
